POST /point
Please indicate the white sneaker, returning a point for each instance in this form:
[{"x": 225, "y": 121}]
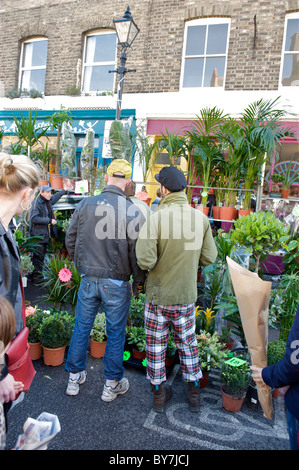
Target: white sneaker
[
  {"x": 109, "y": 393},
  {"x": 73, "y": 384}
]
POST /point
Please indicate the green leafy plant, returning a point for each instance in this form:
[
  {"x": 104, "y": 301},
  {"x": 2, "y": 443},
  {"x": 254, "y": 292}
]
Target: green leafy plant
[
  {"x": 27, "y": 132},
  {"x": 44, "y": 156},
  {"x": 99, "y": 331},
  {"x": 26, "y": 244},
  {"x": 56, "y": 330},
  {"x": 210, "y": 350},
  {"x": 228, "y": 304},
  {"x": 277, "y": 177},
  {"x": 261, "y": 233},
  {"x": 33, "y": 322},
  {"x": 174, "y": 144},
  {"x": 275, "y": 351},
  {"x": 26, "y": 265},
  {"x": 256, "y": 133},
  {"x": 56, "y": 121},
  {"x": 288, "y": 177},
  {"x": 171, "y": 348},
  {"x": 235, "y": 376},
  {"x": 292, "y": 255},
  {"x": 120, "y": 141},
  {"x": 136, "y": 311},
  {"x": 289, "y": 284},
  {"x": 206, "y": 151},
  {"x": 136, "y": 337}
]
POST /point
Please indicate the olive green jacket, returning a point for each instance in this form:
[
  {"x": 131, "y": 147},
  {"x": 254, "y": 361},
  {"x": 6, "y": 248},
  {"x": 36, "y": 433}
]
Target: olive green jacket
[{"x": 174, "y": 241}]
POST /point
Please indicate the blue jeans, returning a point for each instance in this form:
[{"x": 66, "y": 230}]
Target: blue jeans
[
  {"x": 293, "y": 428},
  {"x": 116, "y": 301}
]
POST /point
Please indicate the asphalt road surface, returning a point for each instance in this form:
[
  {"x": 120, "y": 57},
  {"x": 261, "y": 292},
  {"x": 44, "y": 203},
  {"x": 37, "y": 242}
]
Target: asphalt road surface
[{"x": 129, "y": 426}]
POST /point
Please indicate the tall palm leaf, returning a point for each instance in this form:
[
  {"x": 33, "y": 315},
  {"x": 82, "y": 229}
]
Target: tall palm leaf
[{"x": 174, "y": 144}]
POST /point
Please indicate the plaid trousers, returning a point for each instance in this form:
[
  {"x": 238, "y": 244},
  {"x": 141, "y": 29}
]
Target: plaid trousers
[{"x": 182, "y": 319}]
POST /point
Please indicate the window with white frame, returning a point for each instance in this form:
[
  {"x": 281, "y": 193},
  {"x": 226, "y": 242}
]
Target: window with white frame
[
  {"x": 290, "y": 59},
  {"x": 99, "y": 58},
  {"x": 33, "y": 64},
  {"x": 205, "y": 52}
]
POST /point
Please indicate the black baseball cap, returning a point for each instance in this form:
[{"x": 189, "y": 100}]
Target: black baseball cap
[{"x": 172, "y": 179}]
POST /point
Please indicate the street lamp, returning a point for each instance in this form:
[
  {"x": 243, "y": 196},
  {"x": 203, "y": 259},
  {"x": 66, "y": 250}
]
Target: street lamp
[{"x": 126, "y": 31}]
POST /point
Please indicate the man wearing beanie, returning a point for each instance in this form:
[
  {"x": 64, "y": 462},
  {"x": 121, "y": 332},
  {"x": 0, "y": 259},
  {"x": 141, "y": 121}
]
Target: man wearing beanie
[
  {"x": 101, "y": 240},
  {"x": 171, "y": 245}
]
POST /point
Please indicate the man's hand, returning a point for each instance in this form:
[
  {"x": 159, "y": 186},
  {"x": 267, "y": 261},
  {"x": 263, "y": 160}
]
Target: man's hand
[{"x": 53, "y": 222}]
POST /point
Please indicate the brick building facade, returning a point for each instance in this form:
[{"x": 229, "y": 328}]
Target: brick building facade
[
  {"x": 254, "y": 51},
  {"x": 250, "y": 57}
]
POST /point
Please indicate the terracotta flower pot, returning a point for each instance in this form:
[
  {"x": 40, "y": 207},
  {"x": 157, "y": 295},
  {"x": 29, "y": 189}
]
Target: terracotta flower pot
[
  {"x": 138, "y": 354},
  {"x": 216, "y": 212},
  {"x": 54, "y": 357},
  {"x": 56, "y": 181},
  {"x": 203, "y": 209},
  {"x": 227, "y": 213},
  {"x": 285, "y": 193},
  {"x": 204, "y": 380},
  {"x": 230, "y": 403},
  {"x": 97, "y": 349},
  {"x": 43, "y": 183},
  {"x": 35, "y": 351},
  {"x": 244, "y": 212}
]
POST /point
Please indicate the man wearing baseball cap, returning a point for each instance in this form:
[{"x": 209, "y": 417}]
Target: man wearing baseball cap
[
  {"x": 172, "y": 244},
  {"x": 42, "y": 223},
  {"x": 101, "y": 240}
]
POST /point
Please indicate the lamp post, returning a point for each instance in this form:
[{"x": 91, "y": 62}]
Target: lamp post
[{"x": 126, "y": 31}]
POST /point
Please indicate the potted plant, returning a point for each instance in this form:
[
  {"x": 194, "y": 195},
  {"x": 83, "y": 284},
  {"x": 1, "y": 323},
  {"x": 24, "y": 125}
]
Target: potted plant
[
  {"x": 259, "y": 129},
  {"x": 98, "y": 336},
  {"x": 206, "y": 151},
  {"x": 288, "y": 180},
  {"x": 275, "y": 189},
  {"x": 34, "y": 319},
  {"x": 235, "y": 379},
  {"x": 226, "y": 338},
  {"x": 62, "y": 281},
  {"x": 260, "y": 233},
  {"x": 26, "y": 267},
  {"x": 136, "y": 337},
  {"x": 55, "y": 334},
  {"x": 136, "y": 311},
  {"x": 204, "y": 320},
  {"x": 229, "y": 305},
  {"x": 171, "y": 350},
  {"x": 210, "y": 354},
  {"x": 275, "y": 352},
  {"x": 44, "y": 157},
  {"x": 56, "y": 121}
]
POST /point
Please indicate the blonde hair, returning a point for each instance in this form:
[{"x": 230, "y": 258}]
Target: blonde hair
[
  {"x": 7, "y": 322},
  {"x": 17, "y": 172}
]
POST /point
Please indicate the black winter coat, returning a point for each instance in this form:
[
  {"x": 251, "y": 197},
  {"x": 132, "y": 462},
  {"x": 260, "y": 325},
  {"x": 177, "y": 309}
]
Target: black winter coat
[
  {"x": 10, "y": 273},
  {"x": 41, "y": 215},
  {"x": 102, "y": 236}
]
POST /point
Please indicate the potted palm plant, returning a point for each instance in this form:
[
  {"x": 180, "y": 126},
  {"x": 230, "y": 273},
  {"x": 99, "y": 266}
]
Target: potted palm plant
[
  {"x": 206, "y": 151},
  {"x": 98, "y": 336},
  {"x": 288, "y": 180},
  {"x": 259, "y": 130}
]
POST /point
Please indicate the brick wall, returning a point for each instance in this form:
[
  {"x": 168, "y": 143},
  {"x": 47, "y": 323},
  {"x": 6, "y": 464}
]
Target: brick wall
[{"x": 157, "y": 51}]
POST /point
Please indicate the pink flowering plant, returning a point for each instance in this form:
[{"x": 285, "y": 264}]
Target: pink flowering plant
[{"x": 62, "y": 281}]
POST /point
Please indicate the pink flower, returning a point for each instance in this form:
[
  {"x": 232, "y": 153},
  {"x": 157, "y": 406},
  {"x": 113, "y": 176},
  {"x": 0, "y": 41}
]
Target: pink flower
[
  {"x": 65, "y": 275},
  {"x": 29, "y": 311}
]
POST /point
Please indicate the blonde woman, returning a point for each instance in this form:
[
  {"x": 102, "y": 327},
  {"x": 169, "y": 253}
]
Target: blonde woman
[{"x": 19, "y": 178}]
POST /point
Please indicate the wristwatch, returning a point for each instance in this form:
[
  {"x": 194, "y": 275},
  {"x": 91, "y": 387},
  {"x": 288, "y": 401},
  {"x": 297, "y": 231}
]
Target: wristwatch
[{"x": 3, "y": 372}]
